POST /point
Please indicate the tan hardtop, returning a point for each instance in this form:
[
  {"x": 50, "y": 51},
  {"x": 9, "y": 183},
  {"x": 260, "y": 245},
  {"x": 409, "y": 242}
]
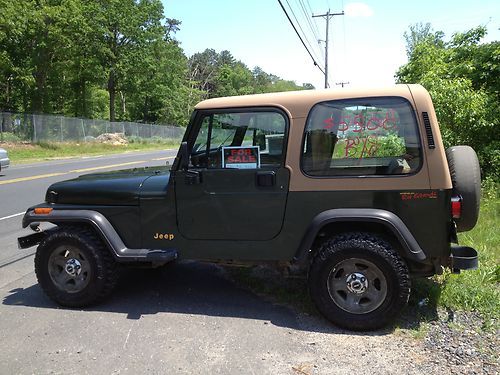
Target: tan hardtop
[
  {"x": 434, "y": 173},
  {"x": 298, "y": 103}
]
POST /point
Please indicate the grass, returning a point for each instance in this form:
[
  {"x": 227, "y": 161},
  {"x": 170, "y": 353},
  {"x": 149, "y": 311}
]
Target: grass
[
  {"x": 26, "y": 152},
  {"x": 478, "y": 290},
  {"x": 473, "y": 290}
]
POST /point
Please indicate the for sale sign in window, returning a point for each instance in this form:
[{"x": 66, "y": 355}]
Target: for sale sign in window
[{"x": 241, "y": 157}]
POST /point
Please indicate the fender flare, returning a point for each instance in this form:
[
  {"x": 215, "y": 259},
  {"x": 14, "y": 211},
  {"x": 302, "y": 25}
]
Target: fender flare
[
  {"x": 409, "y": 246},
  {"x": 106, "y": 231}
]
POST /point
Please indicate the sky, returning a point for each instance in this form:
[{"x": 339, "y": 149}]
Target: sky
[{"x": 366, "y": 45}]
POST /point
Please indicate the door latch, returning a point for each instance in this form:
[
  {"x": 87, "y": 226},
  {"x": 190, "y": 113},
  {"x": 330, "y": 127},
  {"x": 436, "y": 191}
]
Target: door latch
[{"x": 192, "y": 177}]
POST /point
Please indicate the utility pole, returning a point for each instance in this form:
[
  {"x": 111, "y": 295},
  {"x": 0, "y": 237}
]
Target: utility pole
[
  {"x": 342, "y": 83},
  {"x": 327, "y": 17}
]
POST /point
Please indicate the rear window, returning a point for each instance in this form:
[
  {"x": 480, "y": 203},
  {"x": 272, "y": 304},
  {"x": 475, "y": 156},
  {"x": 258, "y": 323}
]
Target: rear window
[{"x": 361, "y": 137}]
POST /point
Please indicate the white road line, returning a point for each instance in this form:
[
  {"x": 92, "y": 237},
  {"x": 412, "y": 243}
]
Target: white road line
[
  {"x": 11, "y": 216},
  {"x": 168, "y": 157}
]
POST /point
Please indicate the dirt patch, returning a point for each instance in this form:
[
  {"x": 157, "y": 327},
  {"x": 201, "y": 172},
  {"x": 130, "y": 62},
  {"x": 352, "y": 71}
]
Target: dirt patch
[
  {"x": 17, "y": 145},
  {"x": 115, "y": 139}
]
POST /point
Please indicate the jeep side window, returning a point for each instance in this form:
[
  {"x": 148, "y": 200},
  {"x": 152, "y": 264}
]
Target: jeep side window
[
  {"x": 258, "y": 135},
  {"x": 358, "y": 137}
]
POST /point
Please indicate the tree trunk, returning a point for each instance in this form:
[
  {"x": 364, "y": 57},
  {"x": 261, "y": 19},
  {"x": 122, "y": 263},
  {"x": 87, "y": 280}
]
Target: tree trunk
[
  {"x": 123, "y": 103},
  {"x": 40, "y": 76},
  {"x": 145, "y": 113},
  {"x": 84, "y": 98},
  {"x": 112, "y": 95}
]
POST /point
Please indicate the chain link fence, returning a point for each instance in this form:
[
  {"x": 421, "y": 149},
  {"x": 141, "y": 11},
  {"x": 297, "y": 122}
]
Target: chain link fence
[{"x": 53, "y": 128}]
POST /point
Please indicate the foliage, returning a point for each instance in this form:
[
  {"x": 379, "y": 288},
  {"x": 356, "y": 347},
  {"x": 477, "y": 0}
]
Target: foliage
[
  {"x": 113, "y": 59},
  {"x": 9, "y": 137},
  {"x": 462, "y": 76},
  {"x": 220, "y": 74},
  {"x": 390, "y": 145},
  {"x": 420, "y": 33}
]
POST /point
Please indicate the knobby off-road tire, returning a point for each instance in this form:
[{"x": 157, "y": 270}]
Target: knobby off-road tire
[
  {"x": 358, "y": 281},
  {"x": 74, "y": 268},
  {"x": 466, "y": 178}
]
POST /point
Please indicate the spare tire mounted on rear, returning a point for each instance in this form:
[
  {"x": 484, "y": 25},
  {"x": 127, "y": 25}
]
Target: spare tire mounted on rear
[{"x": 466, "y": 178}]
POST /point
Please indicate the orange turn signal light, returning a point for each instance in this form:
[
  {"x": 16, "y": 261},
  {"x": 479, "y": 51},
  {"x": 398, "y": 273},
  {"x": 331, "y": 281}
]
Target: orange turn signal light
[{"x": 43, "y": 210}]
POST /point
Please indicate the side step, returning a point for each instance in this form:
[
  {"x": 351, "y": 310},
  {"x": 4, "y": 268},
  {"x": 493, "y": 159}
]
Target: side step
[{"x": 163, "y": 256}]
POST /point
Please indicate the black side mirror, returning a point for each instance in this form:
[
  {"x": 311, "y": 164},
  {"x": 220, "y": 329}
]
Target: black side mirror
[{"x": 184, "y": 156}]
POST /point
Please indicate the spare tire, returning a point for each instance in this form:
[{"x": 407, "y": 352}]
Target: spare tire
[{"x": 466, "y": 178}]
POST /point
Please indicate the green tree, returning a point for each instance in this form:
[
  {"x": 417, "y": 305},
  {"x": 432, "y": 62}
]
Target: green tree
[
  {"x": 203, "y": 70},
  {"x": 115, "y": 59},
  {"x": 462, "y": 78},
  {"x": 129, "y": 27},
  {"x": 419, "y": 33},
  {"x": 235, "y": 79}
]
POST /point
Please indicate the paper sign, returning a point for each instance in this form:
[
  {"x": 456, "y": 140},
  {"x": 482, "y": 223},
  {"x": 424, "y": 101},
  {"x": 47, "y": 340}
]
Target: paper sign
[{"x": 241, "y": 157}]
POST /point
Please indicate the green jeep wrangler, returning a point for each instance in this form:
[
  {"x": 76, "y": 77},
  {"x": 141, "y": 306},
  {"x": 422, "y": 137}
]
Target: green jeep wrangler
[{"x": 352, "y": 186}]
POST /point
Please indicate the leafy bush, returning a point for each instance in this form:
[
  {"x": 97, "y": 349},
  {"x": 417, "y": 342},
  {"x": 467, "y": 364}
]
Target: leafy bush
[
  {"x": 9, "y": 137},
  {"x": 390, "y": 145}
]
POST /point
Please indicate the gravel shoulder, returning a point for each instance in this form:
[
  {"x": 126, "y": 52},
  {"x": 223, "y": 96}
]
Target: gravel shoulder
[{"x": 424, "y": 340}]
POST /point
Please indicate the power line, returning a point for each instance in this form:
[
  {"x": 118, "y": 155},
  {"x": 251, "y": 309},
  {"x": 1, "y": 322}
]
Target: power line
[
  {"x": 312, "y": 25},
  {"x": 307, "y": 49},
  {"x": 301, "y": 29},
  {"x": 314, "y": 20},
  {"x": 308, "y": 18},
  {"x": 314, "y": 29}
]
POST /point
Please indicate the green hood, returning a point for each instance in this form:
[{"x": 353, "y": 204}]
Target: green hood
[{"x": 108, "y": 188}]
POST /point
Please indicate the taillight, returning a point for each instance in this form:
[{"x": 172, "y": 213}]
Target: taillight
[{"x": 456, "y": 207}]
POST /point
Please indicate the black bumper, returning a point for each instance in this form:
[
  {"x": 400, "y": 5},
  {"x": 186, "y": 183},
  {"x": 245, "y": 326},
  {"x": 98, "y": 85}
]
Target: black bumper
[{"x": 30, "y": 240}]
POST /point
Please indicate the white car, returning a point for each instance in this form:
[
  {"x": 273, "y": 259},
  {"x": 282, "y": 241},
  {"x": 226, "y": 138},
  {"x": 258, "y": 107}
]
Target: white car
[{"x": 4, "y": 159}]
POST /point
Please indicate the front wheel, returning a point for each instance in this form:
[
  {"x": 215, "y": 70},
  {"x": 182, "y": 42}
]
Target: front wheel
[
  {"x": 74, "y": 268},
  {"x": 358, "y": 281}
]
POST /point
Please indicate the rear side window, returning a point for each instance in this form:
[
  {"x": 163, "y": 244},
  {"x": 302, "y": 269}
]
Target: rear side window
[
  {"x": 360, "y": 137},
  {"x": 240, "y": 140}
]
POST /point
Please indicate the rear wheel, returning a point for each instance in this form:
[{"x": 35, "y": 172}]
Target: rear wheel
[
  {"x": 74, "y": 268},
  {"x": 358, "y": 281}
]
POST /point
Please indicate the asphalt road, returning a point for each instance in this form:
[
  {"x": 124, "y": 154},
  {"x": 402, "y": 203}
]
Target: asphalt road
[
  {"x": 25, "y": 185},
  {"x": 185, "y": 318}
]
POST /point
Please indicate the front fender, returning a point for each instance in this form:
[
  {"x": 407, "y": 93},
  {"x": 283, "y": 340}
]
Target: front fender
[
  {"x": 104, "y": 229},
  {"x": 410, "y": 247}
]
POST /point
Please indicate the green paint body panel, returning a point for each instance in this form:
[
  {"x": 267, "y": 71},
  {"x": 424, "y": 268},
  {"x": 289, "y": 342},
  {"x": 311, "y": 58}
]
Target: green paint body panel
[
  {"x": 229, "y": 205},
  {"x": 160, "y": 212},
  {"x": 228, "y": 217},
  {"x": 114, "y": 194}
]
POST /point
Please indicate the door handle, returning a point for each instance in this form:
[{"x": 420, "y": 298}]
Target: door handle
[
  {"x": 265, "y": 178},
  {"x": 192, "y": 177}
]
